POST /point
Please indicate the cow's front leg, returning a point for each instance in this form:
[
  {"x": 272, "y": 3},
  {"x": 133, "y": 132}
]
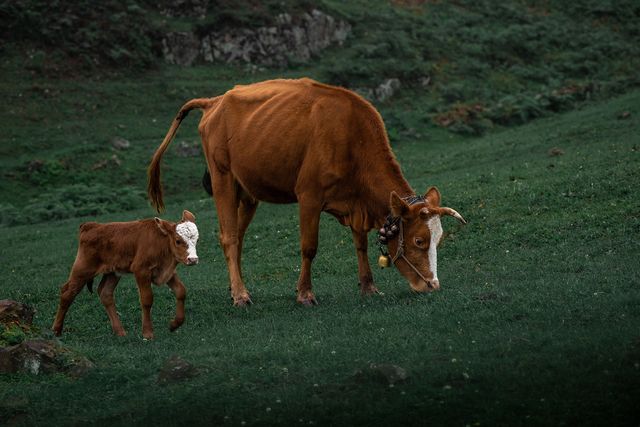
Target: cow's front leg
[
  {"x": 178, "y": 289},
  {"x": 106, "y": 289},
  {"x": 146, "y": 302},
  {"x": 309, "y": 224},
  {"x": 360, "y": 241}
]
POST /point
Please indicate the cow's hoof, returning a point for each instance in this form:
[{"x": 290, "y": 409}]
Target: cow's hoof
[
  {"x": 242, "y": 301},
  {"x": 174, "y": 325},
  {"x": 370, "y": 290},
  {"x": 307, "y": 299},
  {"x": 120, "y": 333}
]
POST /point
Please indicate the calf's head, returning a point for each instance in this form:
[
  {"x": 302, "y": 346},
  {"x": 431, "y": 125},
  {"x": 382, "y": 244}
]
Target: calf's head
[
  {"x": 182, "y": 237},
  {"x": 414, "y": 246}
]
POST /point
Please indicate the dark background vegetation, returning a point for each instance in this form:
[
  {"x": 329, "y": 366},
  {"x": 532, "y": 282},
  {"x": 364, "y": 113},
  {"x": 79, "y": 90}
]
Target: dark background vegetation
[{"x": 538, "y": 320}]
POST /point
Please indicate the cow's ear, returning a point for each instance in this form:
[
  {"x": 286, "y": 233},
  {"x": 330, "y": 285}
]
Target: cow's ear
[
  {"x": 398, "y": 206},
  {"x": 188, "y": 216},
  {"x": 161, "y": 226},
  {"x": 433, "y": 197}
]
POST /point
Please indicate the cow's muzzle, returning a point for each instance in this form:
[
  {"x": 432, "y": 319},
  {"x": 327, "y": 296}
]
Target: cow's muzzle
[
  {"x": 192, "y": 261},
  {"x": 422, "y": 286}
]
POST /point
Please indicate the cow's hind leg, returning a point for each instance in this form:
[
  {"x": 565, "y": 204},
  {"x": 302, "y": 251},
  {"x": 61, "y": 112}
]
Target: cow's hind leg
[
  {"x": 360, "y": 241},
  {"x": 68, "y": 292},
  {"x": 225, "y": 192},
  {"x": 178, "y": 289},
  {"x": 246, "y": 212},
  {"x": 309, "y": 224},
  {"x": 106, "y": 289}
]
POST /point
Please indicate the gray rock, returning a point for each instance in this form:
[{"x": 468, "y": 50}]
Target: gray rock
[
  {"x": 424, "y": 81},
  {"x": 382, "y": 92},
  {"x": 175, "y": 370},
  {"x": 181, "y": 47},
  {"x": 120, "y": 143},
  {"x": 13, "y": 312},
  {"x": 186, "y": 8},
  {"x": 40, "y": 356},
  {"x": 387, "y": 374},
  {"x": 387, "y": 89}
]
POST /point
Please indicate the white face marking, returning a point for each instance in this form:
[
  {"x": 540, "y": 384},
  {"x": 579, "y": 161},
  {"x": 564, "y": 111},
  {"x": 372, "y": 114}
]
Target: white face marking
[
  {"x": 189, "y": 233},
  {"x": 435, "y": 227}
]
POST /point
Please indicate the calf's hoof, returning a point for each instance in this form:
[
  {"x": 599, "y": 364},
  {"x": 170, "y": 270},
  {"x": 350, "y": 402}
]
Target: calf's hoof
[
  {"x": 57, "y": 332},
  {"x": 120, "y": 332}
]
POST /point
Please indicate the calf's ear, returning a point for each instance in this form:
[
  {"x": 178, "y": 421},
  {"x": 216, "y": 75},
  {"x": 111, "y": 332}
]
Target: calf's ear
[
  {"x": 161, "y": 226},
  {"x": 188, "y": 216}
]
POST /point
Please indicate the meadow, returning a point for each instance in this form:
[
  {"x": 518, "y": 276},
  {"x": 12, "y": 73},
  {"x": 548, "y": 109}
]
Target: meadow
[
  {"x": 529, "y": 127},
  {"x": 536, "y": 323}
]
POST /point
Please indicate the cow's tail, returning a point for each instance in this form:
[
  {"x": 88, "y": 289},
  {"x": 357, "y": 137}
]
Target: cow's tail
[{"x": 154, "y": 186}]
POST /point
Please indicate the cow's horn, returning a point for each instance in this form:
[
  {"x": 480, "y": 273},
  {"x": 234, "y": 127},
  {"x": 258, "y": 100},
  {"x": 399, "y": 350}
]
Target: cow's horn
[{"x": 453, "y": 213}]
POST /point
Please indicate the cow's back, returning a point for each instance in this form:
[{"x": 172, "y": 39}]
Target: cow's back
[{"x": 280, "y": 135}]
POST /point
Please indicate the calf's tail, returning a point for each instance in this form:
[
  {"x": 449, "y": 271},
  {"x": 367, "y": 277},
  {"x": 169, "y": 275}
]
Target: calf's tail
[{"x": 154, "y": 186}]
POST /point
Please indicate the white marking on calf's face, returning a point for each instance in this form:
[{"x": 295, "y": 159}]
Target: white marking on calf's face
[
  {"x": 435, "y": 227},
  {"x": 189, "y": 233}
]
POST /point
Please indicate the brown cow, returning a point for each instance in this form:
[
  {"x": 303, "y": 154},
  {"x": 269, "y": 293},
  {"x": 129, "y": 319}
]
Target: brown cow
[
  {"x": 151, "y": 249},
  {"x": 324, "y": 147}
]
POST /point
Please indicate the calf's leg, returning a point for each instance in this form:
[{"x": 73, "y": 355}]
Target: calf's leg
[
  {"x": 178, "y": 289},
  {"x": 364, "y": 270},
  {"x": 106, "y": 289},
  {"x": 68, "y": 292},
  {"x": 146, "y": 302}
]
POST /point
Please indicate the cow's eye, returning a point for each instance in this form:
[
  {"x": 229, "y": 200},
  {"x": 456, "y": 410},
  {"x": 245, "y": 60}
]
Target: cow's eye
[
  {"x": 419, "y": 241},
  {"x": 178, "y": 242}
]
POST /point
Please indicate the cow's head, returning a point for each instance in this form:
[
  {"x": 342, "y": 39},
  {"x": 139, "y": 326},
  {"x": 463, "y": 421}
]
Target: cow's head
[
  {"x": 414, "y": 247},
  {"x": 182, "y": 237}
]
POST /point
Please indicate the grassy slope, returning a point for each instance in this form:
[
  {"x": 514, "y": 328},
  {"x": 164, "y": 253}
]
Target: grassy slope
[
  {"x": 489, "y": 63},
  {"x": 537, "y": 321}
]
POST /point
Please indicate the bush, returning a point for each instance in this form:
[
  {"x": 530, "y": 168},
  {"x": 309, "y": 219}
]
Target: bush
[{"x": 83, "y": 34}]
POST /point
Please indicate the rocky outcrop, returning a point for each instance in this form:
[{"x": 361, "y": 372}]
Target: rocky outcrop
[
  {"x": 36, "y": 355},
  {"x": 288, "y": 40},
  {"x": 41, "y": 356}
]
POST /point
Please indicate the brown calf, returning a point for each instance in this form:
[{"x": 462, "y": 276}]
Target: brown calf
[{"x": 151, "y": 249}]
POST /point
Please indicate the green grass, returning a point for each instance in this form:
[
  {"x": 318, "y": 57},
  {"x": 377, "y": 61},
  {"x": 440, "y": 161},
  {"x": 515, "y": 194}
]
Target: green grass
[{"x": 537, "y": 321}]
